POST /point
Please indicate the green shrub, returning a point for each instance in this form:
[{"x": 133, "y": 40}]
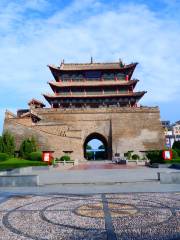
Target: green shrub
[
  {"x": 174, "y": 154},
  {"x": 7, "y": 143},
  {"x": 128, "y": 155},
  {"x": 178, "y": 151},
  {"x": 28, "y": 146},
  {"x": 135, "y": 157},
  {"x": 65, "y": 158},
  {"x": 35, "y": 156},
  {"x": 89, "y": 155},
  {"x": 176, "y": 145},
  {"x": 155, "y": 156},
  {"x": 3, "y": 157}
]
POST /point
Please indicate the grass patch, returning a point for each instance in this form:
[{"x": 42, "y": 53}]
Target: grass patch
[{"x": 12, "y": 163}]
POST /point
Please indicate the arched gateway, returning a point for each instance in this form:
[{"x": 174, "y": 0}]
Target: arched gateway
[
  {"x": 89, "y": 100},
  {"x": 100, "y": 137}
]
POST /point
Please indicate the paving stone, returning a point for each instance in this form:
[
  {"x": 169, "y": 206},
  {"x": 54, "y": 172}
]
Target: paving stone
[{"x": 141, "y": 216}]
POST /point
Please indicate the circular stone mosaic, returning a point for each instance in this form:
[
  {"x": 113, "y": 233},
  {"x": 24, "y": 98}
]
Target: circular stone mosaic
[
  {"x": 103, "y": 216},
  {"x": 96, "y": 210}
]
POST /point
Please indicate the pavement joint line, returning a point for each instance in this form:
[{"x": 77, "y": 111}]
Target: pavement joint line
[
  {"x": 98, "y": 183},
  {"x": 111, "y": 235}
]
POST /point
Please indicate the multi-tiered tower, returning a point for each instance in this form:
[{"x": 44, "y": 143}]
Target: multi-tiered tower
[
  {"x": 90, "y": 101},
  {"x": 93, "y": 85}
]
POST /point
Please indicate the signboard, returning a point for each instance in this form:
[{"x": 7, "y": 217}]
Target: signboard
[
  {"x": 167, "y": 154},
  {"x": 47, "y": 156}
]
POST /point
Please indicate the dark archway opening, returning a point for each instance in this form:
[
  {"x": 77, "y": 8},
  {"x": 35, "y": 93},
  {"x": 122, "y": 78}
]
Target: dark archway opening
[{"x": 99, "y": 151}]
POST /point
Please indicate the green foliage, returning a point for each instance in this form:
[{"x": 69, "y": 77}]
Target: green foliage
[
  {"x": 88, "y": 147},
  {"x": 128, "y": 155},
  {"x": 1, "y": 144},
  {"x": 100, "y": 155},
  {"x": 89, "y": 155},
  {"x": 155, "y": 156},
  {"x": 27, "y": 146},
  {"x": 65, "y": 158},
  {"x": 176, "y": 145},
  {"x": 178, "y": 151},
  {"x": 7, "y": 143},
  {"x": 135, "y": 157},
  {"x": 101, "y": 147},
  {"x": 12, "y": 163},
  {"x": 3, "y": 157},
  {"x": 174, "y": 154},
  {"x": 35, "y": 156}
]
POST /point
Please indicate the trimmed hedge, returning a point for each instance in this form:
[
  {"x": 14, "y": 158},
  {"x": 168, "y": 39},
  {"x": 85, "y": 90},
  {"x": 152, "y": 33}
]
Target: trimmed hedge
[
  {"x": 128, "y": 155},
  {"x": 135, "y": 157},
  {"x": 155, "y": 156},
  {"x": 35, "y": 156},
  {"x": 65, "y": 158},
  {"x": 3, "y": 157}
]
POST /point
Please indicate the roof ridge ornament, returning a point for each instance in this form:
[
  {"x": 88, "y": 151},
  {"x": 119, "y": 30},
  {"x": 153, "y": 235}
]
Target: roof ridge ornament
[
  {"x": 121, "y": 63},
  {"x": 62, "y": 62}
]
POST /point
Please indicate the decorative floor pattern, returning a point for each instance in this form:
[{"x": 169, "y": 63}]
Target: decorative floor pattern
[{"x": 131, "y": 216}]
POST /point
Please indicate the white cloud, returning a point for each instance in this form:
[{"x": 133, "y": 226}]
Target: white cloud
[{"x": 87, "y": 28}]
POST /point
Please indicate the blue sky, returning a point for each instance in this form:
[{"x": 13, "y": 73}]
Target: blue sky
[{"x": 34, "y": 33}]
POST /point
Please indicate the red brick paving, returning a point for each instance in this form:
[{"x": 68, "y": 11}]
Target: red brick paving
[{"x": 88, "y": 166}]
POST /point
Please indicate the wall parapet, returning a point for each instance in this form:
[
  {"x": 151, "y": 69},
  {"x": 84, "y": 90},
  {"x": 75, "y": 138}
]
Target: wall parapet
[{"x": 97, "y": 110}]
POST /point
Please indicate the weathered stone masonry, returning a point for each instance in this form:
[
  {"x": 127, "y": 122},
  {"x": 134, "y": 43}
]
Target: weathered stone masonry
[{"x": 125, "y": 129}]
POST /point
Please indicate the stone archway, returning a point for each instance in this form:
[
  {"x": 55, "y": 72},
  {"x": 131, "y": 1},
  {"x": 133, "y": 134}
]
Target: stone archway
[{"x": 99, "y": 137}]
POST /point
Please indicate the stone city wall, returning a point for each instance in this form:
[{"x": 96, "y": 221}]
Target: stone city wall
[{"x": 60, "y": 130}]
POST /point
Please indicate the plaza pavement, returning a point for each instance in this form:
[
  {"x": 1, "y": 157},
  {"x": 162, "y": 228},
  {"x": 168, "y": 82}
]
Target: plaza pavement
[
  {"x": 87, "y": 203},
  {"x": 127, "y": 216}
]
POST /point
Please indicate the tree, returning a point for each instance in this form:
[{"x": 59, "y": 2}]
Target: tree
[
  {"x": 34, "y": 144},
  {"x": 101, "y": 147},
  {"x": 1, "y": 144},
  {"x": 176, "y": 145},
  {"x": 28, "y": 146},
  {"x": 88, "y": 147},
  {"x": 8, "y": 143}
]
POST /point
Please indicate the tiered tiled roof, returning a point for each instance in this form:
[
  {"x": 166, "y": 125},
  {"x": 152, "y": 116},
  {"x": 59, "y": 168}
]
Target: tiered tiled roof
[
  {"x": 35, "y": 101},
  {"x": 130, "y": 94},
  {"x": 93, "y": 83},
  {"x": 92, "y": 66}
]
